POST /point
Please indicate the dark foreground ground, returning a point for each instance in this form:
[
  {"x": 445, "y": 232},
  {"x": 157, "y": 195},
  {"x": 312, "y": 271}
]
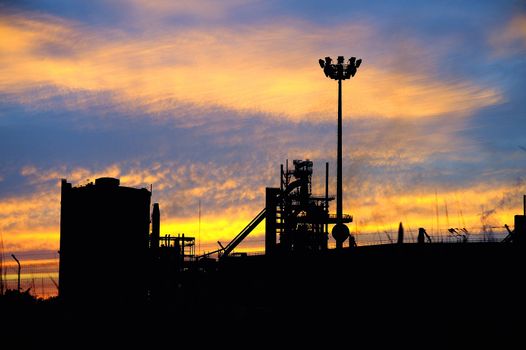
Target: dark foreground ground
[{"x": 437, "y": 296}]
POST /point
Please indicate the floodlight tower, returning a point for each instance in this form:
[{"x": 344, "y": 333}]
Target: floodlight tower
[{"x": 340, "y": 71}]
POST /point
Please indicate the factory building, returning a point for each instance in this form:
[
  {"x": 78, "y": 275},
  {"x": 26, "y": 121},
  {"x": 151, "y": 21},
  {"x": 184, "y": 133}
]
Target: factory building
[{"x": 104, "y": 242}]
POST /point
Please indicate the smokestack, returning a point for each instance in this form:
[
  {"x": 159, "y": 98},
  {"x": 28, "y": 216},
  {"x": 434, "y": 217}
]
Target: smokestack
[
  {"x": 400, "y": 234},
  {"x": 156, "y": 227}
]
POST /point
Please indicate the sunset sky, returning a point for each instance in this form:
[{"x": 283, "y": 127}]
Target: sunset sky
[{"x": 205, "y": 99}]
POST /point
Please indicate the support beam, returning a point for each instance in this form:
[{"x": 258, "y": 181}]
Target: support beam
[{"x": 271, "y": 203}]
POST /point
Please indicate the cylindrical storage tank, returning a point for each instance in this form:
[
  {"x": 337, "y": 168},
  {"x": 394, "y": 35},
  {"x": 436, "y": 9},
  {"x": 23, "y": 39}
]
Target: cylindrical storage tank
[{"x": 107, "y": 182}]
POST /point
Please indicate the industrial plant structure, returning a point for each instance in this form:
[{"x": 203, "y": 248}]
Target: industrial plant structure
[{"x": 106, "y": 237}]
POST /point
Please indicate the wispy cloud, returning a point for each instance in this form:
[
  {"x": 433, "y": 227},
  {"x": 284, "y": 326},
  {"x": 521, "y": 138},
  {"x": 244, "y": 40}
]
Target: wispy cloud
[
  {"x": 511, "y": 38},
  {"x": 204, "y": 9},
  {"x": 381, "y": 188},
  {"x": 205, "y": 107},
  {"x": 268, "y": 68}
]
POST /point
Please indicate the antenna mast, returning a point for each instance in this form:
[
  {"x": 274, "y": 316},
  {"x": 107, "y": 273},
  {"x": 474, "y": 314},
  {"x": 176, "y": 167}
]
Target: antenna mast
[{"x": 199, "y": 229}]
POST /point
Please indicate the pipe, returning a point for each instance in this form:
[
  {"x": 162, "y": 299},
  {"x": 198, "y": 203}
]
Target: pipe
[
  {"x": 156, "y": 227},
  {"x": 327, "y": 192},
  {"x": 281, "y": 178}
]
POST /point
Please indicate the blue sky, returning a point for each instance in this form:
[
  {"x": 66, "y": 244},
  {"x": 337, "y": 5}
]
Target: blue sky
[{"x": 204, "y": 100}]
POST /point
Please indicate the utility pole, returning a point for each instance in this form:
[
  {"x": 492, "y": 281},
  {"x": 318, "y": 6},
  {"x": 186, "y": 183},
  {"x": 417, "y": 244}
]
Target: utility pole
[{"x": 199, "y": 229}]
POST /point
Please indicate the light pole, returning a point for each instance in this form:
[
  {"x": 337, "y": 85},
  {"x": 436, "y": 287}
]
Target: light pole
[
  {"x": 340, "y": 71},
  {"x": 18, "y": 262}
]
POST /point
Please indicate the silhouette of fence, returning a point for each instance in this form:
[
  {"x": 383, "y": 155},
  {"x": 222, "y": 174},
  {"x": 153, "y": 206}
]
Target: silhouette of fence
[
  {"x": 443, "y": 236},
  {"x": 39, "y": 274},
  {"x": 386, "y": 237},
  {"x": 40, "y": 270}
]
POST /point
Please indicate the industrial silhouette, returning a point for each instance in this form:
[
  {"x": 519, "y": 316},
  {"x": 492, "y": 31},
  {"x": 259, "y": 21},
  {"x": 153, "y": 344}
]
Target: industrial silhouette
[
  {"x": 110, "y": 224},
  {"x": 112, "y": 235}
]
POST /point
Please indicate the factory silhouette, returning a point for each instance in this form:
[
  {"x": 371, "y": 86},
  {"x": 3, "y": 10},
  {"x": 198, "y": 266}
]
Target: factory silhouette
[
  {"x": 112, "y": 233},
  {"x": 114, "y": 261}
]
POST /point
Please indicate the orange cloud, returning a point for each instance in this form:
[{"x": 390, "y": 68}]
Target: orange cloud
[
  {"x": 270, "y": 69},
  {"x": 30, "y": 222}
]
